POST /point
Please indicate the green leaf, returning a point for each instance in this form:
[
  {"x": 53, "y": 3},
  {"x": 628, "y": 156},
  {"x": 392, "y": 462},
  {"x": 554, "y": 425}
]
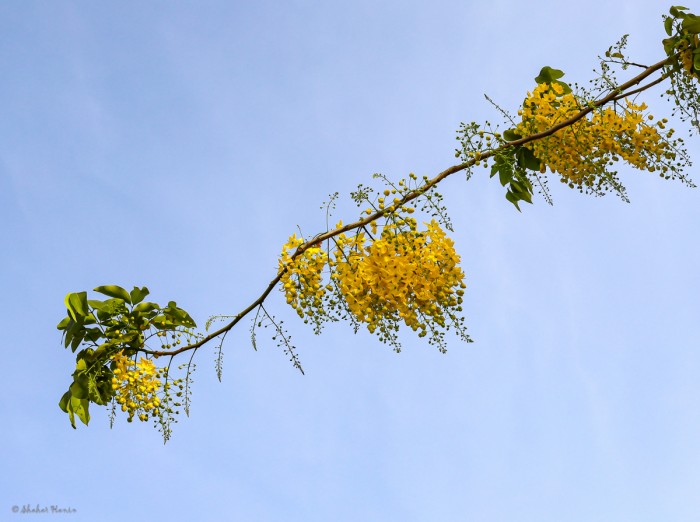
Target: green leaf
[
  {"x": 77, "y": 340},
  {"x": 109, "y": 307},
  {"x": 548, "y": 75},
  {"x": 513, "y": 199},
  {"x": 67, "y": 336},
  {"x": 77, "y": 305},
  {"x": 71, "y": 414},
  {"x": 137, "y": 294},
  {"x": 65, "y": 323},
  {"x": 669, "y": 45},
  {"x": 104, "y": 389},
  {"x": 178, "y": 316},
  {"x": 500, "y": 164},
  {"x": 187, "y": 320},
  {"x": 162, "y": 323},
  {"x": 565, "y": 86},
  {"x": 517, "y": 188},
  {"x": 511, "y": 135},
  {"x": 66, "y": 405},
  {"x": 505, "y": 177},
  {"x": 83, "y": 358},
  {"x": 80, "y": 407},
  {"x": 63, "y": 403},
  {"x": 78, "y": 391},
  {"x": 676, "y": 11},
  {"x": 101, "y": 391},
  {"x": 72, "y": 405},
  {"x": 114, "y": 291},
  {"x": 524, "y": 194},
  {"x": 74, "y": 331},
  {"x": 691, "y": 23},
  {"x": 101, "y": 349},
  {"x": 128, "y": 337},
  {"x": 526, "y": 159},
  {"x": 146, "y": 307},
  {"x": 92, "y": 334},
  {"x": 668, "y": 25}
]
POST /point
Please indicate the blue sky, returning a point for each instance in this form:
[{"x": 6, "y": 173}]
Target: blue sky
[{"x": 178, "y": 144}]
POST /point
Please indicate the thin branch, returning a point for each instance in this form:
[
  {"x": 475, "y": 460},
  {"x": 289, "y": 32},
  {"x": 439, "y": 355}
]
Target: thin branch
[
  {"x": 285, "y": 340},
  {"x": 643, "y": 88},
  {"x": 623, "y": 63}
]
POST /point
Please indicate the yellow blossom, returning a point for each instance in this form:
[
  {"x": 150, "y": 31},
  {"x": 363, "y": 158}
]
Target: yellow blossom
[
  {"x": 135, "y": 385},
  {"x": 582, "y": 152}
]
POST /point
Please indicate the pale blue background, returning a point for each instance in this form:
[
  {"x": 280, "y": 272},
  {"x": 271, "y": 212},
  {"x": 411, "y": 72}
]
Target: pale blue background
[{"x": 178, "y": 144}]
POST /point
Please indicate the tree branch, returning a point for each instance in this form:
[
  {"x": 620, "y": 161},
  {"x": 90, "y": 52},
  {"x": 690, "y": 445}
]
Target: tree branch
[{"x": 616, "y": 94}]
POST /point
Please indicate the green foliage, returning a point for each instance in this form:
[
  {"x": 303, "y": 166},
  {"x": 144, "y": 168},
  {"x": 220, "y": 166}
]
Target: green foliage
[
  {"x": 550, "y": 76},
  {"x": 121, "y": 323},
  {"x": 683, "y": 46},
  {"x": 510, "y": 164},
  {"x": 682, "y": 29}
]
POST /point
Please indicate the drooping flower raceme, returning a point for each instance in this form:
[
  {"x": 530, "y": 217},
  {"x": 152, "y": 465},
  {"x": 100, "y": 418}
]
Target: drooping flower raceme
[
  {"x": 136, "y": 386},
  {"x": 583, "y": 153},
  {"x": 302, "y": 281},
  {"x": 403, "y": 276}
]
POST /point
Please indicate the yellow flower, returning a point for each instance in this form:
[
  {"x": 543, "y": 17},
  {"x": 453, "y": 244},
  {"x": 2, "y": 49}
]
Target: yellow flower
[
  {"x": 402, "y": 276},
  {"x": 581, "y": 153},
  {"x": 135, "y": 385}
]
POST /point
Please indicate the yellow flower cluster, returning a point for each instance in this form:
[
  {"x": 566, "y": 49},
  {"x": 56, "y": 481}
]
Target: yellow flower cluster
[
  {"x": 404, "y": 275},
  {"x": 582, "y": 152},
  {"x": 302, "y": 281},
  {"x": 379, "y": 279},
  {"x": 136, "y": 385}
]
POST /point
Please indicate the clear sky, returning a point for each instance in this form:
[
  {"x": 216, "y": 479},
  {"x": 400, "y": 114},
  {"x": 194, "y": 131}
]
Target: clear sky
[{"x": 178, "y": 144}]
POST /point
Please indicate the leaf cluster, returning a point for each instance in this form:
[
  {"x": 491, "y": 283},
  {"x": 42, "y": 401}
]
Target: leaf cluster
[
  {"x": 683, "y": 29},
  {"x": 683, "y": 46},
  {"x": 121, "y": 323},
  {"x": 511, "y": 165},
  {"x": 515, "y": 165}
]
